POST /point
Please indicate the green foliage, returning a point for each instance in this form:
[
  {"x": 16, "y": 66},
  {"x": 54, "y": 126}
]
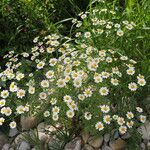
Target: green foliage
[{"x": 22, "y": 20}]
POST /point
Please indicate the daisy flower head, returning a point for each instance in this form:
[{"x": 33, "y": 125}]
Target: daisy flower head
[
  {"x": 105, "y": 74},
  {"x": 1, "y": 120},
  {"x": 67, "y": 98},
  {"x": 87, "y": 115},
  {"x": 81, "y": 97},
  {"x": 88, "y": 92},
  {"x": 44, "y": 83},
  {"x": 105, "y": 108},
  {"x": 104, "y": 91},
  {"x": 12, "y": 124},
  {"x": 42, "y": 95},
  {"x": 139, "y": 109},
  {"x": 55, "y": 117},
  {"x": 6, "y": 111},
  {"x": 107, "y": 119},
  {"x": 31, "y": 90},
  {"x": 87, "y": 34},
  {"x": 130, "y": 71},
  {"x": 141, "y": 82},
  {"x": 49, "y": 74},
  {"x": 4, "y": 94},
  {"x": 20, "y": 109},
  {"x": 19, "y": 76},
  {"x": 46, "y": 114},
  {"x": 142, "y": 118},
  {"x": 40, "y": 65},
  {"x": 120, "y": 121},
  {"x": 99, "y": 126},
  {"x": 61, "y": 83},
  {"x": 132, "y": 86},
  {"x": 120, "y": 32},
  {"x": 114, "y": 81},
  {"x": 2, "y": 102},
  {"x": 55, "y": 110},
  {"x": 122, "y": 129},
  {"x": 53, "y": 61},
  {"x": 130, "y": 115},
  {"x": 130, "y": 124},
  {"x": 53, "y": 101},
  {"x": 77, "y": 82},
  {"x": 70, "y": 113},
  {"x": 98, "y": 78}
]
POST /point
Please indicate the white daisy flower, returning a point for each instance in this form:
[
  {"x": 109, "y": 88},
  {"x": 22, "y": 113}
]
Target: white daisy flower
[
  {"x": 131, "y": 71},
  {"x": 44, "y": 83},
  {"x": 55, "y": 110},
  {"x": 142, "y": 118},
  {"x": 140, "y": 110},
  {"x": 50, "y": 49},
  {"x": 81, "y": 97},
  {"x": 50, "y": 74},
  {"x": 12, "y": 124},
  {"x": 2, "y": 102},
  {"x": 70, "y": 114},
  {"x": 67, "y": 98},
  {"x": 52, "y": 61},
  {"x": 130, "y": 124},
  {"x": 31, "y": 90},
  {"x": 105, "y": 108},
  {"x": 88, "y": 92},
  {"x": 87, "y": 115},
  {"x": 53, "y": 101},
  {"x": 130, "y": 115},
  {"x": 141, "y": 82},
  {"x": 4, "y": 94},
  {"x": 132, "y": 86},
  {"x": 122, "y": 129},
  {"x": 99, "y": 126},
  {"x": 114, "y": 81},
  {"x": 77, "y": 82},
  {"x": 46, "y": 114},
  {"x": 55, "y": 117},
  {"x": 107, "y": 119},
  {"x": 61, "y": 83},
  {"x": 6, "y": 111},
  {"x": 42, "y": 95},
  {"x": 1, "y": 120},
  {"x": 120, "y": 121},
  {"x": 40, "y": 65},
  {"x": 19, "y": 76},
  {"x": 13, "y": 87},
  {"x": 120, "y": 32},
  {"x": 21, "y": 93},
  {"x": 87, "y": 34},
  {"x": 20, "y": 109},
  {"x": 104, "y": 91}
]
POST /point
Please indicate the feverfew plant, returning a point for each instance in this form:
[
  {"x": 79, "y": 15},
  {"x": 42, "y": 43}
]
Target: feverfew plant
[
  {"x": 81, "y": 83},
  {"x": 105, "y": 25},
  {"x": 94, "y": 89},
  {"x": 18, "y": 82}
]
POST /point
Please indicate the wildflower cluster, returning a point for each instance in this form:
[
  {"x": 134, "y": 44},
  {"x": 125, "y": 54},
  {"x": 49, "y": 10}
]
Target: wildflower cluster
[
  {"x": 104, "y": 25},
  {"x": 79, "y": 83},
  {"x": 18, "y": 82}
]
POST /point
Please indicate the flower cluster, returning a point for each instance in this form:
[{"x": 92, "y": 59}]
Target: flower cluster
[
  {"x": 104, "y": 24},
  {"x": 75, "y": 82}
]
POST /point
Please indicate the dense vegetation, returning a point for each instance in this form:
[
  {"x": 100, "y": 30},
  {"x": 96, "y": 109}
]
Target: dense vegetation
[{"x": 36, "y": 34}]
